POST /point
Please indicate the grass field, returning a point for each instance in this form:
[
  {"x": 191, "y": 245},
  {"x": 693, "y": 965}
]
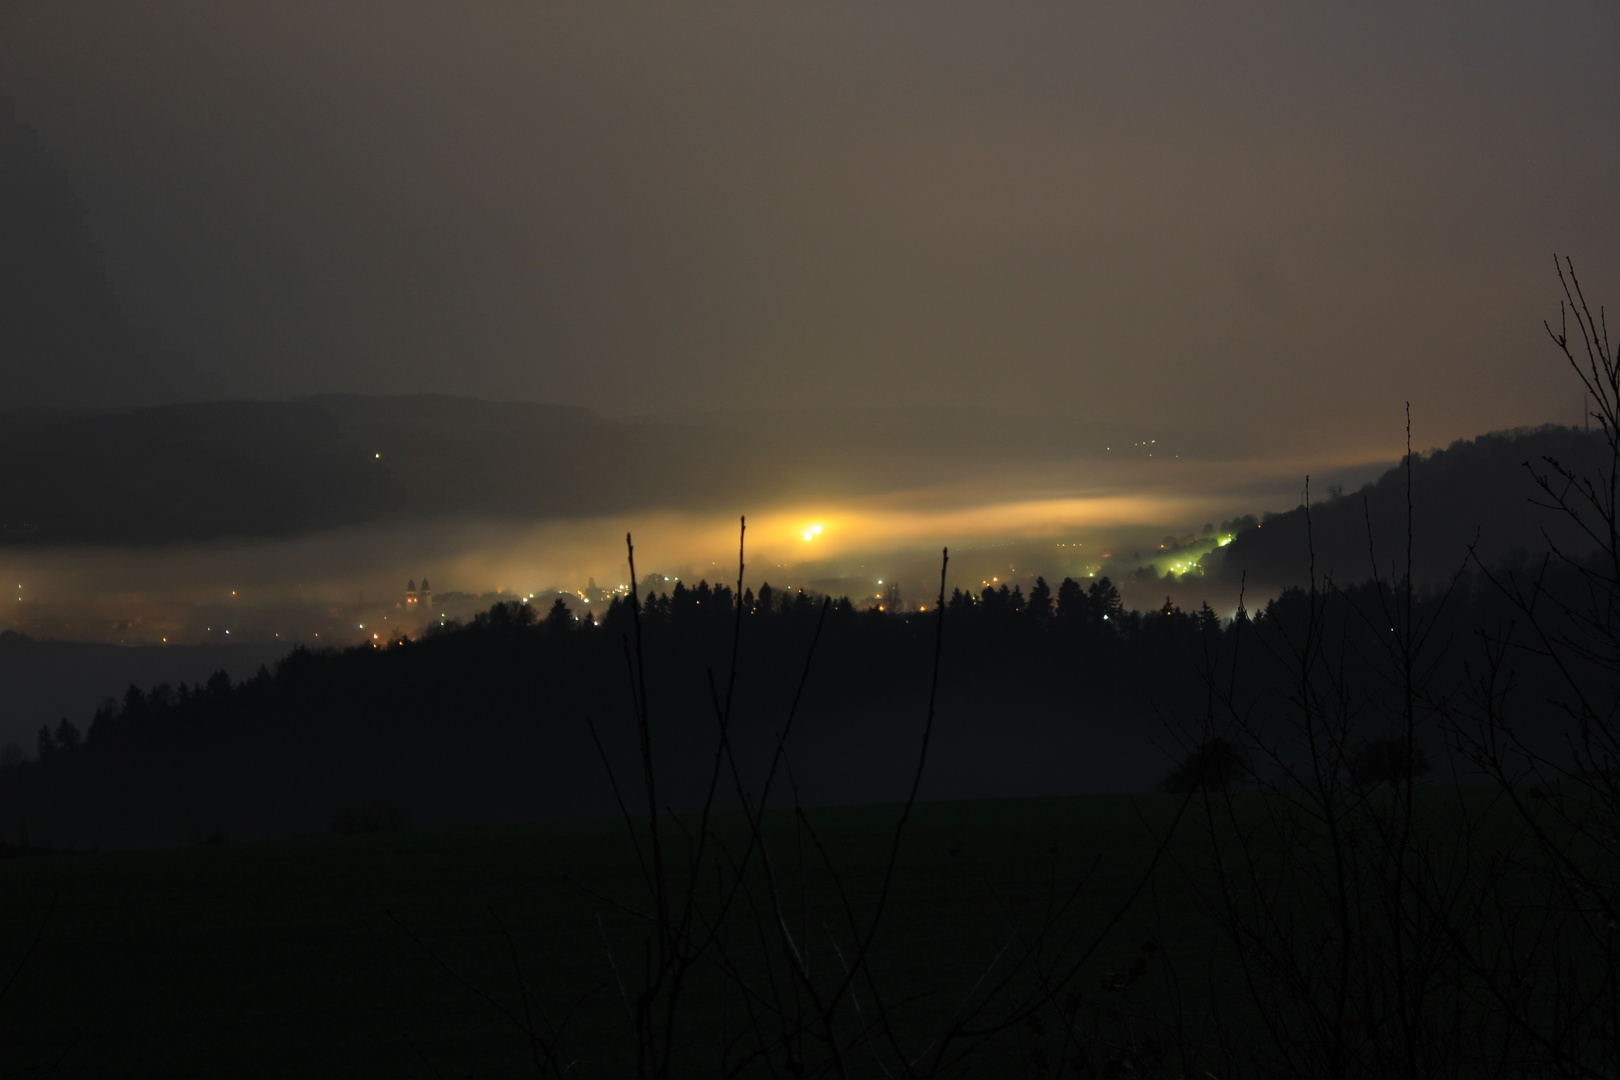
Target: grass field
[
  {"x": 282, "y": 958},
  {"x": 279, "y": 958}
]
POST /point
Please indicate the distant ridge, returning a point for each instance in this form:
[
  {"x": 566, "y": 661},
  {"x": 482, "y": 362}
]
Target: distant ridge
[
  {"x": 1474, "y": 489},
  {"x": 202, "y": 471},
  {"x": 214, "y": 470}
]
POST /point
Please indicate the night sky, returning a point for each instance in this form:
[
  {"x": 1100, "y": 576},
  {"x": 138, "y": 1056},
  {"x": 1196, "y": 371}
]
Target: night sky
[{"x": 1259, "y": 222}]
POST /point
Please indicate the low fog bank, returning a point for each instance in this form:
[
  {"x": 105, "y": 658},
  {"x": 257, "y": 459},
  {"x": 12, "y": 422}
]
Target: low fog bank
[
  {"x": 1185, "y": 530},
  {"x": 307, "y": 520}
]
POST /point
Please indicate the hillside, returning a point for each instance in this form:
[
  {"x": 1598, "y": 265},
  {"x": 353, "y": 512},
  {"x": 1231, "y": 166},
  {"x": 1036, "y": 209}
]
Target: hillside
[{"x": 1475, "y": 491}]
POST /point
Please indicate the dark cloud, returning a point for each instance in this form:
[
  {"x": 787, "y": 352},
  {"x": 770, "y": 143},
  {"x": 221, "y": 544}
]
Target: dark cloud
[
  {"x": 727, "y": 207},
  {"x": 62, "y": 335}
]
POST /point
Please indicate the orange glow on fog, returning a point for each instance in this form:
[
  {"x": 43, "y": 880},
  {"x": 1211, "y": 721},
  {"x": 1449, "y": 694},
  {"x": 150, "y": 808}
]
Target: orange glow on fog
[
  {"x": 859, "y": 527},
  {"x": 706, "y": 545},
  {"x": 872, "y": 537}
]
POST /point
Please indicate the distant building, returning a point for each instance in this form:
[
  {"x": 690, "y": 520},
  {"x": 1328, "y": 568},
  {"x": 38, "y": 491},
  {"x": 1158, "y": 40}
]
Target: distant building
[{"x": 418, "y": 599}]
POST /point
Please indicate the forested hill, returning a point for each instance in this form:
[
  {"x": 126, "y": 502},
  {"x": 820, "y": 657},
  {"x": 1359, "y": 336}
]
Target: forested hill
[
  {"x": 1059, "y": 692},
  {"x": 1478, "y": 489}
]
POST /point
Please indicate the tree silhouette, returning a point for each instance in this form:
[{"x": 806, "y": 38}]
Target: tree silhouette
[
  {"x": 1071, "y": 602},
  {"x": 1217, "y": 764},
  {"x": 67, "y": 736},
  {"x": 1040, "y": 601},
  {"x": 559, "y": 620},
  {"x": 1103, "y": 602}
]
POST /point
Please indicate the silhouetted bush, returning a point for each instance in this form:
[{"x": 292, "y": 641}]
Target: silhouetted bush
[{"x": 1217, "y": 764}]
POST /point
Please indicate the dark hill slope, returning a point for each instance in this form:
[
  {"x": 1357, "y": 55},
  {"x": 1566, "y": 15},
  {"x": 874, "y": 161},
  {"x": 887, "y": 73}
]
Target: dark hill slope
[{"x": 1477, "y": 489}]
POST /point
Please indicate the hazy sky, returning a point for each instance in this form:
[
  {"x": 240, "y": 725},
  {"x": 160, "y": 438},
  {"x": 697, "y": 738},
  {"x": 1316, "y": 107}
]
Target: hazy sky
[{"x": 1279, "y": 221}]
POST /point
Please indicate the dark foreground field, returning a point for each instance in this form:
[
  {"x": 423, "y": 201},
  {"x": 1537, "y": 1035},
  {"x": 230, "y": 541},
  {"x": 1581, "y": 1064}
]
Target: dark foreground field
[
  {"x": 280, "y": 958},
  {"x": 284, "y": 958}
]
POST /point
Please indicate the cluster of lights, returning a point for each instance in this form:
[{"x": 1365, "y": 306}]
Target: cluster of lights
[
  {"x": 1192, "y": 565},
  {"x": 809, "y": 534}
]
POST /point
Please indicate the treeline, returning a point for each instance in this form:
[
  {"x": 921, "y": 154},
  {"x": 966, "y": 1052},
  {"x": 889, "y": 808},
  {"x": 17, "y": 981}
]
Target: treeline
[
  {"x": 1058, "y": 691},
  {"x": 489, "y": 671},
  {"x": 1074, "y": 602}
]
